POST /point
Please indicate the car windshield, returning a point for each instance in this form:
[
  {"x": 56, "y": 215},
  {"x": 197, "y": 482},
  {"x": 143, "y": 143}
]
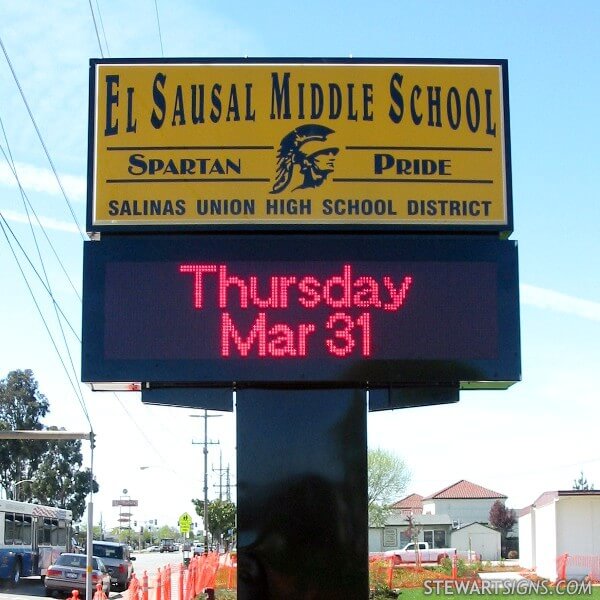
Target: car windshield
[
  {"x": 108, "y": 551},
  {"x": 78, "y": 561},
  {"x": 71, "y": 560}
]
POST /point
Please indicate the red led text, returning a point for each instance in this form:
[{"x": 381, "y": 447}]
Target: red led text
[{"x": 344, "y": 333}]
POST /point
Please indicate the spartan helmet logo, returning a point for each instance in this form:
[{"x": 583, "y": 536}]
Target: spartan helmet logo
[{"x": 304, "y": 147}]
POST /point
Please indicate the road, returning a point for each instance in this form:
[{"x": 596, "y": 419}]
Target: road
[{"x": 32, "y": 587}]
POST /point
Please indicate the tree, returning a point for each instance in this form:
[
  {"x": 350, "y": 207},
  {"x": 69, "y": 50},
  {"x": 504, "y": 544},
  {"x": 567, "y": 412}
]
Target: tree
[
  {"x": 582, "y": 483},
  {"x": 501, "y": 518},
  {"x": 221, "y": 517},
  {"x": 388, "y": 476},
  {"x": 59, "y": 479},
  {"x": 53, "y": 466},
  {"x": 21, "y": 407}
]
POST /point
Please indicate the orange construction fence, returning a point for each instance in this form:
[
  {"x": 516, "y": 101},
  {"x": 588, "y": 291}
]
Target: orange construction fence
[
  {"x": 387, "y": 571},
  {"x": 577, "y": 564},
  {"x": 213, "y": 571},
  {"x": 204, "y": 574},
  {"x": 98, "y": 594}
]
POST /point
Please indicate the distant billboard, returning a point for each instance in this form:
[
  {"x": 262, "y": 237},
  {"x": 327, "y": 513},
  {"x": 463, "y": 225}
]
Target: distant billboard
[
  {"x": 289, "y": 143},
  {"x": 125, "y": 502}
]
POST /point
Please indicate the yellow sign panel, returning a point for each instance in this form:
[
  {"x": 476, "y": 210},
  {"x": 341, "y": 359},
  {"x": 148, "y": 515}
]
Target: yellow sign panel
[
  {"x": 185, "y": 523},
  {"x": 312, "y": 143}
]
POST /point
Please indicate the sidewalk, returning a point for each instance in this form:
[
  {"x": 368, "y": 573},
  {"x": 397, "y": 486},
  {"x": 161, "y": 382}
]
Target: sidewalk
[{"x": 502, "y": 576}]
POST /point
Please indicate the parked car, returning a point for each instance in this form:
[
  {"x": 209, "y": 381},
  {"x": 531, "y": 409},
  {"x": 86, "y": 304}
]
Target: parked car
[
  {"x": 118, "y": 561},
  {"x": 68, "y": 572},
  {"x": 198, "y": 549}
]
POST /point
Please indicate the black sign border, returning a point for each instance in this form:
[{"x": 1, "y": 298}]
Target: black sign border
[{"x": 505, "y": 229}]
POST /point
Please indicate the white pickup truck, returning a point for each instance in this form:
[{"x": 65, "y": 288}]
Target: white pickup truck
[{"x": 408, "y": 554}]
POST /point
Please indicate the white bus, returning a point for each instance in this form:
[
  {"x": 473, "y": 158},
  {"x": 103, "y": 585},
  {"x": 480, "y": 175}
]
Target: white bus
[{"x": 31, "y": 537}]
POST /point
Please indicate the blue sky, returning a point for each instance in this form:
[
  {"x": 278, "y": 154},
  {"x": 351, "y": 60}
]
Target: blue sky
[{"x": 536, "y": 436}]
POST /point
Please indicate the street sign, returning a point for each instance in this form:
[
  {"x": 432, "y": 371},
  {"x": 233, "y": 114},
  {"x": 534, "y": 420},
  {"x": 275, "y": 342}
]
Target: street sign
[
  {"x": 185, "y": 523},
  {"x": 299, "y": 143}
]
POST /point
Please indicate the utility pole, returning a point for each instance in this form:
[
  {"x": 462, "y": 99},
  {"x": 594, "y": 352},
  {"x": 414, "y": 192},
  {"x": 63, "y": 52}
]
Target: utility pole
[
  {"x": 205, "y": 416},
  {"x": 220, "y": 471},
  {"x": 228, "y": 485}
]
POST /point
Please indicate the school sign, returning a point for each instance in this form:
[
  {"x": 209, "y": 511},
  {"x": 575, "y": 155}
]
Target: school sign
[{"x": 194, "y": 144}]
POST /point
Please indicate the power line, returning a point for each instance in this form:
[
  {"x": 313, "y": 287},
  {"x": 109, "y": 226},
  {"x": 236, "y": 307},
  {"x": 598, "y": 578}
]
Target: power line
[
  {"x": 49, "y": 292},
  {"x": 96, "y": 28},
  {"x": 12, "y": 167},
  {"x": 102, "y": 27},
  {"x": 137, "y": 426},
  {"x": 26, "y": 199},
  {"x": 47, "y": 280},
  {"x": 162, "y": 51},
  {"x": 55, "y": 304},
  {"x": 60, "y": 185},
  {"x": 4, "y": 224}
]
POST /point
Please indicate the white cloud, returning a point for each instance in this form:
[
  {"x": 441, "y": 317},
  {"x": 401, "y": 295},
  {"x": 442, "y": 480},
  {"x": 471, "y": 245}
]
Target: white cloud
[
  {"x": 46, "y": 222},
  {"x": 39, "y": 179},
  {"x": 551, "y": 300}
]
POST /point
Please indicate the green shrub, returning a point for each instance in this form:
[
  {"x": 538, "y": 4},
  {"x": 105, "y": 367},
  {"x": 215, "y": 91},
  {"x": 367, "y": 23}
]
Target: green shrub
[{"x": 383, "y": 592}]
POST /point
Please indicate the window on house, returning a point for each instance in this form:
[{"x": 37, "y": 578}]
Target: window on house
[
  {"x": 439, "y": 538},
  {"x": 436, "y": 538},
  {"x": 390, "y": 537},
  {"x": 404, "y": 538}
]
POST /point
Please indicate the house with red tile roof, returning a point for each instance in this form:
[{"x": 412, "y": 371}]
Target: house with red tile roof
[
  {"x": 464, "y": 501},
  {"x": 411, "y": 505},
  {"x": 457, "y": 509}
]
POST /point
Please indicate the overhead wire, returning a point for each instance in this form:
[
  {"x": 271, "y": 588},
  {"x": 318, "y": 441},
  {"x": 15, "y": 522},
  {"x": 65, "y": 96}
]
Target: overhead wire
[
  {"x": 96, "y": 28},
  {"x": 102, "y": 27},
  {"x": 42, "y": 264},
  {"x": 45, "y": 281},
  {"x": 137, "y": 426},
  {"x": 4, "y": 225},
  {"x": 39, "y": 134},
  {"x": 162, "y": 51},
  {"x": 117, "y": 397},
  {"x": 39, "y": 276},
  {"x": 11, "y": 164},
  {"x": 57, "y": 307}
]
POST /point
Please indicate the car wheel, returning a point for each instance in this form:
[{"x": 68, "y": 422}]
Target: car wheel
[
  {"x": 48, "y": 592},
  {"x": 441, "y": 558}
]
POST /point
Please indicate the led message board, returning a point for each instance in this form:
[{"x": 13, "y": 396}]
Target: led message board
[
  {"x": 289, "y": 143},
  {"x": 301, "y": 310}
]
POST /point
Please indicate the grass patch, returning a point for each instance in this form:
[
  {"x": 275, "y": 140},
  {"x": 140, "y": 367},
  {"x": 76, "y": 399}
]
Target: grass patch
[{"x": 422, "y": 594}]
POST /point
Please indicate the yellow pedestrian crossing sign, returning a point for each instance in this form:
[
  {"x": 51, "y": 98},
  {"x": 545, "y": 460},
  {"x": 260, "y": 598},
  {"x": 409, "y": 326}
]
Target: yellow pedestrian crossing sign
[{"x": 185, "y": 523}]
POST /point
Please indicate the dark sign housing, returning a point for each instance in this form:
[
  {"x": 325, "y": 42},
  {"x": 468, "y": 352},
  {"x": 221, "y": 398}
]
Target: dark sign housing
[{"x": 301, "y": 310}]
